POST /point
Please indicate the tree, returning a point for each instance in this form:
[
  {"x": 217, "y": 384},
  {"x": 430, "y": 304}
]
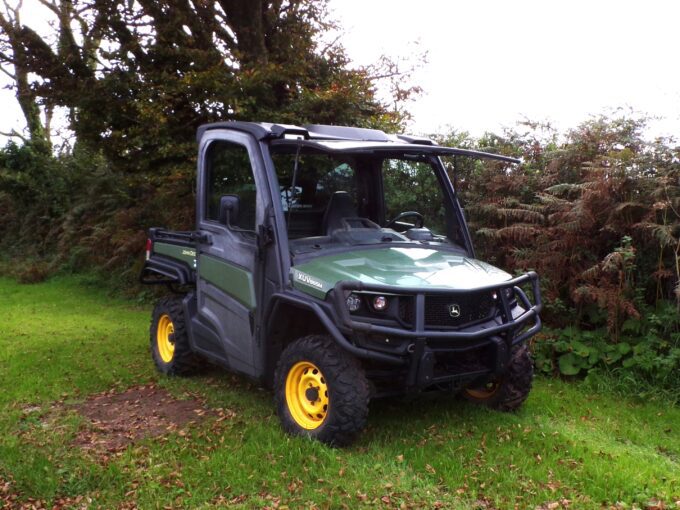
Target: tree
[
  {"x": 14, "y": 64},
  {"x": 139, "y": 76}
]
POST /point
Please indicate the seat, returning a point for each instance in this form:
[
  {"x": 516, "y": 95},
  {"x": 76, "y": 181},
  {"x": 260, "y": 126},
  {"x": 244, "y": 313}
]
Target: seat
[{"x": 340, "y": 206}]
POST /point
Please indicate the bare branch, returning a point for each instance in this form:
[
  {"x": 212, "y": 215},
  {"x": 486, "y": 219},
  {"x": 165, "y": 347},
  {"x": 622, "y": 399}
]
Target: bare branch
[
  {"x": 4, "y": 57},
  {"x": 13, "y": 13},
  {"x": 5, "y": 22},
  {"x": 14, "y": 134},
  {"x": 12, "y": 76},
  {"x": 331, "y": 44},
  {"x": 51, "y": 6}
]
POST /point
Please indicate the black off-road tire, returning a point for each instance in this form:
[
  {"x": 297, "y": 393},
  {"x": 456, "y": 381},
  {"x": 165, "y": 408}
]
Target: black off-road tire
[
  {"x": 182, "y": 361},
  {"x": 511, "y": 390},
  {"x": 348, "y": 390}
]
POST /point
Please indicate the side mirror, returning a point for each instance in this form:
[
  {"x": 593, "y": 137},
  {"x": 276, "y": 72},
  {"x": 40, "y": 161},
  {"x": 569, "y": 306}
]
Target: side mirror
[{"x": 229, "y": 206}]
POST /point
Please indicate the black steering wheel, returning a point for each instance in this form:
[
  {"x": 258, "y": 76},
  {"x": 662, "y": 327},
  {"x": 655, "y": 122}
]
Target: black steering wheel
[{"x": 420, "y": 221}]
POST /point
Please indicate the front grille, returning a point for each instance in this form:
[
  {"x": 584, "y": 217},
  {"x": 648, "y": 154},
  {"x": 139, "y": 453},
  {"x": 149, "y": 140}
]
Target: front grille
[
  {"x": 406, "y": 309},
  {"x": 472, "y": 308}
]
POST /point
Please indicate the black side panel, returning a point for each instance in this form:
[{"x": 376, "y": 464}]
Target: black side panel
[
  {"x": 163, "y": 270},
  {"x": 212, "y": 349}
]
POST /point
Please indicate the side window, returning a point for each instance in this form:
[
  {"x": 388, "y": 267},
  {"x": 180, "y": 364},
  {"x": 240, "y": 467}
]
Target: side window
[{"x": 229, "y": 173}]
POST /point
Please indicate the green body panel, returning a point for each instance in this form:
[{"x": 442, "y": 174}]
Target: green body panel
[
  {"x": 182, "y": 253},
  {"x": 401, "y": 267},
  {"x": 310, "y": 284},
  {"x": 233, "y": 280}
]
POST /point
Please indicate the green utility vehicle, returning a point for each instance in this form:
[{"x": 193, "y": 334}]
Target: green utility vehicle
[{"x": 334, "y": 264}]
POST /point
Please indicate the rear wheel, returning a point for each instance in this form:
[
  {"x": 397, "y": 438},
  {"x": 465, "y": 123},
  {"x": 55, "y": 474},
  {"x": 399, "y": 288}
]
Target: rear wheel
[
  {"x": 507, "y": 393},
  {"x": 169, "y": 340},
  {"x": 321, "y": 391}
]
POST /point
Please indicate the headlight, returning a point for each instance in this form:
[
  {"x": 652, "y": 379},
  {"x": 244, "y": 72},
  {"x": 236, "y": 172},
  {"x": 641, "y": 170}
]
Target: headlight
[
  {"x": 353, "y": 302},
  {"x": 379, "y": 303}
]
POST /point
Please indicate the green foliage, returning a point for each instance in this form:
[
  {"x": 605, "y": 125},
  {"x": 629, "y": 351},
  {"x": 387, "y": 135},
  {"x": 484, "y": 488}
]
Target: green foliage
[
  {"x": 647, "y": 352},
  {"x": 413, "y": 186}
]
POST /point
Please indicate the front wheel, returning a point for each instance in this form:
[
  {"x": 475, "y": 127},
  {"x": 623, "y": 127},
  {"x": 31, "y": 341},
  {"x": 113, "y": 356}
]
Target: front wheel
[
  {"x": 508, "y": 392},
  {"x": 321, "y": 391}
]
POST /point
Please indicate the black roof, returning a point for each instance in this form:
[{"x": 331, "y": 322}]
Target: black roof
[
  {"x": 312, "y": 133},
  {"x": 264, "y": 130}
]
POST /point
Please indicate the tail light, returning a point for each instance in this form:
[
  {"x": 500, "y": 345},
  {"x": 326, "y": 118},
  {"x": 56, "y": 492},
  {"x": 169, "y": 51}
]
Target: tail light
[{"x": 149, "y": 245}]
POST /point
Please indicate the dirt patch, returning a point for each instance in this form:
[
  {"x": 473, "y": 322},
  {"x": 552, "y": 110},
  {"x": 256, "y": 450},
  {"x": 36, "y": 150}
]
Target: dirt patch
[{"x": 119, "y": 419}]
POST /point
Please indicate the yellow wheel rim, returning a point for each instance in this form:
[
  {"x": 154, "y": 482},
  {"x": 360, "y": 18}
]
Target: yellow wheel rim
[
  {"x": 165, "y": 338},
  {"x": 307, "y": 395},
  {"x": 484, "y": 392}
]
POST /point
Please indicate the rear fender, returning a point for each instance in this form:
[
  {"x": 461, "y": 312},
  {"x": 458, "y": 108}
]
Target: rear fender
[{"x": 160, "y": 270}]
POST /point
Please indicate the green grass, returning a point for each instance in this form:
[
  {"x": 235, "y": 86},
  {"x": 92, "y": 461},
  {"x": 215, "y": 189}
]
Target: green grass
[{"x": 62, "y": 341}]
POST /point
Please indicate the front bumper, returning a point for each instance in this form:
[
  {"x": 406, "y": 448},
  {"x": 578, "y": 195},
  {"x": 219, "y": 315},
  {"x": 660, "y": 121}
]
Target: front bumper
[{"x": 429, "y": 352}]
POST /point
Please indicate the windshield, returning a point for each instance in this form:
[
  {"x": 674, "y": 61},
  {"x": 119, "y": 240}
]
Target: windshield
[{"x": 332, "y": 200}]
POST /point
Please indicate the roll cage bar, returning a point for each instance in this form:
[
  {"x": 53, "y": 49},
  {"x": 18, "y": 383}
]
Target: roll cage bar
[{"x": 369, "y": 147}]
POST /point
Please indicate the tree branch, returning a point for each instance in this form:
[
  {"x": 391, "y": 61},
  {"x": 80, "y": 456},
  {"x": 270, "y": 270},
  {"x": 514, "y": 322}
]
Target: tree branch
[
  {"x": 51, "y": 6},
  {"x": 14, "y": 134},
  {"x": 12, "y": 76}
]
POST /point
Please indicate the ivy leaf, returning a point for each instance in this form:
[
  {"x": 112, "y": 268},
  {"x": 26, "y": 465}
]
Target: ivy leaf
[
  {"x": 629, "y": 362},
  {"x": 580, "y": 349},
  {"x": 569, "y": 364},
  {"x": 624, "y": 348}
]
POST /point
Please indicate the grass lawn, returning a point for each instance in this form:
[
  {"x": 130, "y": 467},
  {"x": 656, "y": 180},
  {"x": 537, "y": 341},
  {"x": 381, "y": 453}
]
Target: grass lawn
[{"x": 62, "y": 341}]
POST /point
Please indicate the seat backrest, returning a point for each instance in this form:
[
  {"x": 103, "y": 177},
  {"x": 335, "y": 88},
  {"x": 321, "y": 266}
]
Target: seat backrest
[{"x": 340, "y": 206}]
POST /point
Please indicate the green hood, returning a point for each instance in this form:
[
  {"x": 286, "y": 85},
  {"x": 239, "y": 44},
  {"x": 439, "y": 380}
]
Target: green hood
[{"x": 402, "y": 267}]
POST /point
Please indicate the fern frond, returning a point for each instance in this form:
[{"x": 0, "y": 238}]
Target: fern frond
[
  {"x": 522, "y": 215},
  {"x": 558, "y": 245},
  {"x": 662, "y": 233},
  {"x": 613, "y": 262},
  {"x": 591, "y": 273},
  {"x": 510, "y": 202},
  {"x": 489, "y": 233},
  {"x": 548, "y": 199},
  {"x": 628, "y": 207},
  {"x": 484, "y": 210},
  {"x": 518, "y": 233},
  {"x": 565, "y": 188},
  {"x": 532, "y": 207},
  {"x": 570, "y": 226}
]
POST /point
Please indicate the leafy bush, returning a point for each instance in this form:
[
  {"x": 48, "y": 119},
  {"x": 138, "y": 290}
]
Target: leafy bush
[
  {"x": 33, "y": 272},
  {"x": 647, "y": 350}
]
